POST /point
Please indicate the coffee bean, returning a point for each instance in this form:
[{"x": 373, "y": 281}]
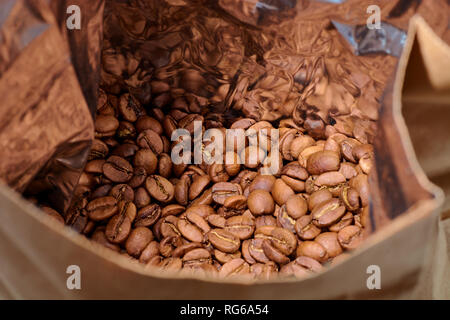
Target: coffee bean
[
  {"x": 138, "y": 240},
  {"x": 313, "y": 250},
  {"x": 327, "y": 213},
  {"x": 281, "y": 192},
  {"x": 195, "y": 258},
  {"x": 323, "y": 161},
  {"x": 273, "y": 253},
  {"x": 234, "y": 267},
  {"x": 117, "y": 169},
  {"x": 118, "y": 228},
  {"x": 149, "y": 139},
  {"x": 330, "y": 242},
  {"x": 240, "y": 226},
  {"x": 122, "y": 192},
  {"x": 282, "y": 239},
  {"x": 350, "y": 237},
  {"x": 150, "y": 251},
  {"x": 147, "y": 215},
  {"x": 223, "y": 190},
  {"x": 260, "y": 202},
  {"x": 223, "y": 240},
  {"x": 102, "y": 208},
  {"x": 160, "y": 188},
  {"x": 305, "y": 229},
  {"x": 147, "y": 159}
]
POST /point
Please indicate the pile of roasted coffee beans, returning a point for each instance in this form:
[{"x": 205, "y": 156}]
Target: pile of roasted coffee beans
[{"x": 225, "y": 219}]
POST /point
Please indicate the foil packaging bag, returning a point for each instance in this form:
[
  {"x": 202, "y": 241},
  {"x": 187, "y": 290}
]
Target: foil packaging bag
[{"x": 49, "y": 79}]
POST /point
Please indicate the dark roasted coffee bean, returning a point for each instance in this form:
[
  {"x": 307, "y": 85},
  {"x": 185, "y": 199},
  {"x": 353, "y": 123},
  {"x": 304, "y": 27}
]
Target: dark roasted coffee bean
[
  {"x": 149, "y": 139},
  {"x": 147, "y": 159},
  {"x": 139, "y": 177},
  {"x": 99, "y": 150}
]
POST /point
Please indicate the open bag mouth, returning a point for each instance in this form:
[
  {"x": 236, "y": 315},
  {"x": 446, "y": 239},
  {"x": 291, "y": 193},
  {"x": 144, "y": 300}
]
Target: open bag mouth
[{"x": 321, "y": 85}]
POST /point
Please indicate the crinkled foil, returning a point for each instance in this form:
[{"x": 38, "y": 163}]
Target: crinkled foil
[
  {"x": 48, "y": 83},
  {"x": 264, "y": 59}
]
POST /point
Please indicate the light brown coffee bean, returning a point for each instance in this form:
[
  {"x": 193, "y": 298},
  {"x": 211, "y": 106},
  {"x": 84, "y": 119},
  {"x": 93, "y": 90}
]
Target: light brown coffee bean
[
  {"x": 265, "y": 220},
  {"x": 260, "y": 202},
  {"x": 329, "y": 241},
  {"x": 346, "y": 220},
  {"x": 305, "y": 229},
  {"x": 122, "y": 192},
  {"x": 350, "y": 198},
  {"x": 218, "y": 173},
  {"x": 202, "y": 210},
  {"x": 256, "y": 251},
  {"x": 223, "y": 240},
  {"x": 281, "y": 192},
  {"x": 328, "y": 213},
  {"x": 323, "y": 161},
  {"x": 223, "y": 190},
  {"x": 284, "y": 240},
  {"x": 138, "y": 240},
  {"x": 196, "y": 258},
  {"x": 329, "y": 179},
  {"x": 240, "y": 226},
  {"x": 350, "y": 237},
  {"x": 313, "y": 250},
  {"x": 172, "y": 210},
  {"x": 296, "y": 206},
  {"x": 141, "y": 198},
  {"x": 216, "y": 220},
  {"x": 318, "y": 197},
  {"x": 148, "y": 215},
  {"x": 223, "y": 257},
  {"x": 190, "y": 231},
  {"x": 168, "y": 227},
  {"x": 273, "y": 254},
  {"x": 150, "y": 251},
  {"x": 185, "y": 248},
  {"x": 234, "y": 267},
  {"x": 199, "y": 183},
  {"x": 149, "y": 139}
]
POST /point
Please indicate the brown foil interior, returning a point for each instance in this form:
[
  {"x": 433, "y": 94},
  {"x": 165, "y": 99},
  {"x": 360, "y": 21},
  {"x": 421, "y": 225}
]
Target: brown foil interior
[{"x": 268, "y": 64}]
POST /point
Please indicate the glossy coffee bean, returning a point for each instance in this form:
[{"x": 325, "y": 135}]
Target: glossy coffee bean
[
  {"x": 102, "y": 208},
  {"x": 223, "y": 240},
  {"x": 138, "y": 240},
  {"x": 160, "y": 188},
  {"x": 148, "y": 215},
  {"x": 117, "y": 169}
]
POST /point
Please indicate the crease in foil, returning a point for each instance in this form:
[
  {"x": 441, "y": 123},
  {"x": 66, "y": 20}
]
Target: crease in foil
[{"x": 388, "y": 39}]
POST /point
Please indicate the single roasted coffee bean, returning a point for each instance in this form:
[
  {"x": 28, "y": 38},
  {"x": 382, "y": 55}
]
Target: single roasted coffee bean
[
  {"x": 350, "y": 198},
  {"x": 330, "y": 179},
  {"x": 216, "y": 220},
  {"x": 160, "y": 188},
  {"x": 199, "y": 183},
  {"x": 147, "y": 159},
  {"x": 99, "y": 150},
  {"x": 138, "y": 240},
  {"x": 313, "y": 250},
  {"x": 195, "y": 258},
  {"x": 305, "y": 228},
  {"x": 240, "y": 226},
  {"x": 117, "y": 169},
  {"x": 125, "y": 150},
  {"x": 323, "y": 161},
  {"x": 223, "y": 240},
  {"x": 122, "y": 192},
  {"x": 139, "y": 176},
  {"x": 53, "y": 213},
  {"x": 149, "y": 139},
  {"x": 260, "y": 202},
  {"x": 284, "y": 240},
  {"x": 185, "y": 248},
  {"x": 350, "y": 237},
  {"x": 330, "y": 242},
  {"x": 190, "y": 231},
  {"x": 328, "y": 213},
  {"x": 273, "y": 253},
  {"x": 102, "y": 208},
  {"x": 235, "y": 267},
  {"x": 141, "y": 198},
  {"x": 346, "y": 220},
  {"x": 265, "y": 220},
  {"x": 118, "y": 228},
  {"x": 223, "y": 190},
  {"x": 281, "y": 192},
  {"x": 318, "y": 197},
  {"x": 106, "y": 126},
  {"x": 148, "y": 215},
  {"x": 101, "y": 191},
  {"x": 150, "y": 251},
  {"x": 126, "y": 130}
]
